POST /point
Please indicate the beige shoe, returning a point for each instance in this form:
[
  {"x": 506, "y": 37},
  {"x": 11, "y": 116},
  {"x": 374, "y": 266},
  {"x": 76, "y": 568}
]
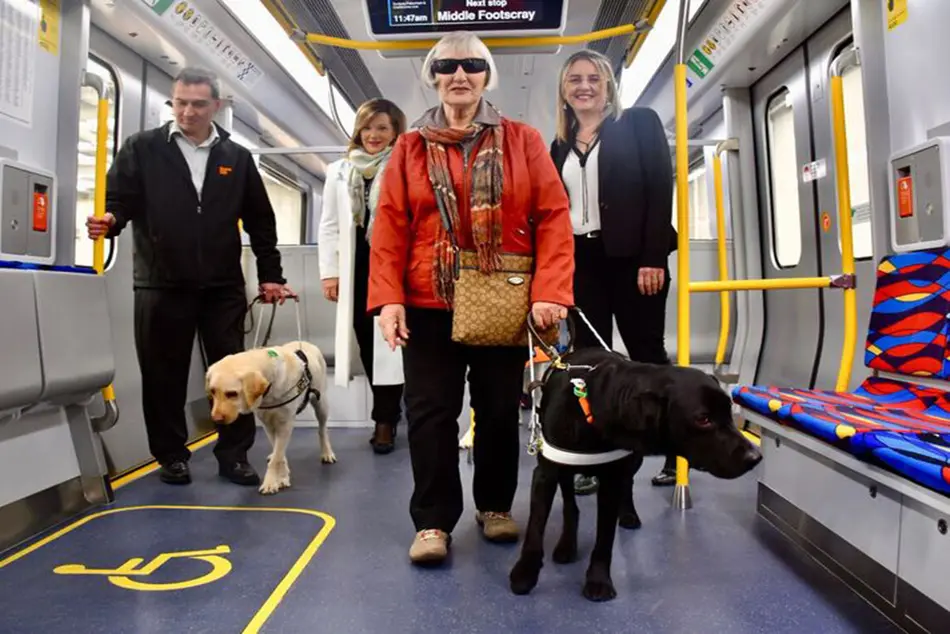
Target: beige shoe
[
  {"x": 430, "y": 545},
  {"x": 497, "y": 527}
]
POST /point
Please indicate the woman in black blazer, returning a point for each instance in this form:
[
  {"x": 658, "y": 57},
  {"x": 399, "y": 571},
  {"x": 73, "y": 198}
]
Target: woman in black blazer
[{"x": 617, "y": 169}]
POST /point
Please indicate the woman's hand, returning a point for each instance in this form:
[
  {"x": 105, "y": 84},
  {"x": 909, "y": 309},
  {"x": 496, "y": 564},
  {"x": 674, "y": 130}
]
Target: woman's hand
[
  {"x": 650, "y": 280},
  {"x": 331, "y": 288},
  {"x": 392, "y": 321},
  {"x": 546, "y": 314}
]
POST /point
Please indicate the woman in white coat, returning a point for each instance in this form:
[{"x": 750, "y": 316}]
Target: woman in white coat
[{"x": 350, "y": 196}]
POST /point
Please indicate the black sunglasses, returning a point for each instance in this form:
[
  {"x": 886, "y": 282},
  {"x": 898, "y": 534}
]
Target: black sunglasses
[{"x": 470, "y": 65}]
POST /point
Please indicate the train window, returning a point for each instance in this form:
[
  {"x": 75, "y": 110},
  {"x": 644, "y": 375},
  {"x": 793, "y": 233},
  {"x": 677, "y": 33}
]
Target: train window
[
  {"x": 702, "y": 217},
  {"x": 86, "y": 164},
  {"x": 783, "y": 181},
  {"x": 857, "y": 163},
  {"x": 288, "y": 203}
]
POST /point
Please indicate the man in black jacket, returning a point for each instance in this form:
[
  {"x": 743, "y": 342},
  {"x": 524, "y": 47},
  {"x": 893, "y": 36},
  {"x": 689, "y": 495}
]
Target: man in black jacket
[{"x": 184, "y": 186}]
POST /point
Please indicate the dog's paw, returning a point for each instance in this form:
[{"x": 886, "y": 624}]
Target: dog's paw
[
  {"x": 269, "y": 486},
  {"x": 565, "y": 552},
  {"x": 599, "y": 590},
  {"x": 524, "y": 577},
  {"x": 328, "y": 457},
  {"x": 629, "y": 519}
]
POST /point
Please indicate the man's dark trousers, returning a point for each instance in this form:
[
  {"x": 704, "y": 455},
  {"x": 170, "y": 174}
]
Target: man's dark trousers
[{"x": 166, "y": 321}]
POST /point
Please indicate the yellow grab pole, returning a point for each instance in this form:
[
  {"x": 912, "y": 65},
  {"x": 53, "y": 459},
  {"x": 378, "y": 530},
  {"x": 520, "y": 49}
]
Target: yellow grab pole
[
  {"x": 843, "y": 182},
  {"x": 681, "y": 496},
  {"x": 101, "y": 423},
  {"x": 640, "y": 37},
  {"x": 713, "y": 286},
  {"x": 724, "y": 308}
]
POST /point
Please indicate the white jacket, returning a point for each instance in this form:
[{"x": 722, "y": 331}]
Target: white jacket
[{"x": 336, "y": 245}]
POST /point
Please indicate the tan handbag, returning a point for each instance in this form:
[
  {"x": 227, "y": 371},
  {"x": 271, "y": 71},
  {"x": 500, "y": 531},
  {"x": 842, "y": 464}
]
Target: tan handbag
[{"x": 491, "y": 309}]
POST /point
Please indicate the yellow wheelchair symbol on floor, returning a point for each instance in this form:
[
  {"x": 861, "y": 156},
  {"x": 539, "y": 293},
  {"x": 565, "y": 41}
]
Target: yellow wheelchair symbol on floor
[{"x": 123, "y": 575}]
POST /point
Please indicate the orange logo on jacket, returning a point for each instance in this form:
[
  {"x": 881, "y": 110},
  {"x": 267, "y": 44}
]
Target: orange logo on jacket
[{"x": 224, "y": 170}]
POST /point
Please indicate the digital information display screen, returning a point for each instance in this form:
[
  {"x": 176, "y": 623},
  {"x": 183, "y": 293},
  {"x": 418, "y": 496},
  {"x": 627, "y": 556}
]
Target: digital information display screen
[{"x": 412, "y": 18}]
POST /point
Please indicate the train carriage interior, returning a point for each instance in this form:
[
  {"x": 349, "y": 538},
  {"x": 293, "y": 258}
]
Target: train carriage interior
[{"x": 811, "y": 152}]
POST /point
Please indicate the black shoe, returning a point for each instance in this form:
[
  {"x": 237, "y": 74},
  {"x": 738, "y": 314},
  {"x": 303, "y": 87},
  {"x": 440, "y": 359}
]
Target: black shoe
[
  {"x": 175, "y": 472},
  {"x": 239, "y": 473},
  {"x": 383, "y": 440},
  {"x": 664, "y": 478}
]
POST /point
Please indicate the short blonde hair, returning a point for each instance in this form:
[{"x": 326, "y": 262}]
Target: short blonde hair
[
  {"x": 464, "y": 42},
  {"x": 365, "y": 114},
  {"x": 565, "y": 114}
]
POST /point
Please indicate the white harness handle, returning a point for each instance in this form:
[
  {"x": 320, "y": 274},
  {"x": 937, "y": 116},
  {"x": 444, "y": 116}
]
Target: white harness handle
[
  {"x": 260, "y": 320},
  {"x": 536, "y": 441}
]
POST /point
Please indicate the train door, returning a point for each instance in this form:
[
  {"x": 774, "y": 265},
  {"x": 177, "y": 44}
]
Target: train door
[
  {"x": 830, "y": 45},
  {"x": 793, "y": 318}
]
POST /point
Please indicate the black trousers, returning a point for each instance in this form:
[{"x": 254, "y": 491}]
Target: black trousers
[
  {"x": 387, "y": 399},
  {"x": 435, "y": 368},
  {"x": 606, "y": 288},
  {"x": 165, "y": 324}
]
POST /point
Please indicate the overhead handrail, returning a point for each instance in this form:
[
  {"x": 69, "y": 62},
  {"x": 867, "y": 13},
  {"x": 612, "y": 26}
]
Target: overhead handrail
[
  {"x": 299, "y": 35},
  {"x": 843, "y": 182},
  {"x": 640, "y": 37},
  {"x": 111, "y": 415},
  {"x": 681, "y": 495},
  {"x": 831, "y": 281},
  {"x": 724, "y": 305}
]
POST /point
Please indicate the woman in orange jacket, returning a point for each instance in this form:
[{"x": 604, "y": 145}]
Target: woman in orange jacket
[{"x": 496, "y": 182}]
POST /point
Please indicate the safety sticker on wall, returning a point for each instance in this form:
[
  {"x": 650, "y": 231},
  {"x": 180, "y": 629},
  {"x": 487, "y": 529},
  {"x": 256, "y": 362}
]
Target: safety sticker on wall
[
  {"x": 896, "y": 13},
  {"x": 825, "y": 221},
  {"x": 814, "y": 170}
]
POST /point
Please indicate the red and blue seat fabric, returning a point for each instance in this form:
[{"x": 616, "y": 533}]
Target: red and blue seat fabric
[{"x": 897, "y": 424}]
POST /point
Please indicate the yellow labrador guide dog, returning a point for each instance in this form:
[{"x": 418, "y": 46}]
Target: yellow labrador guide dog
[{"x": 274, "y": 383}]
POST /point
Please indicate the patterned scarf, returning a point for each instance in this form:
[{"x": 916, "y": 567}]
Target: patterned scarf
[
  {"x": 486, "y": 190},
  {"x": 366, "y": 167}
]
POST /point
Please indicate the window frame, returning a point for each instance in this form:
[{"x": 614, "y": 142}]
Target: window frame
[{"x": 786, "y": 92}]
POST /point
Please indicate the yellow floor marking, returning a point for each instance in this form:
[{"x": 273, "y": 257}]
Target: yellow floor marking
[{"x": 268, "y": 607}]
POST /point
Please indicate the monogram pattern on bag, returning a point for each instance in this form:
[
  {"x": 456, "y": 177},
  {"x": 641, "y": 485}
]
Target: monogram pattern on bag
[{"x": 492, "y": 309}]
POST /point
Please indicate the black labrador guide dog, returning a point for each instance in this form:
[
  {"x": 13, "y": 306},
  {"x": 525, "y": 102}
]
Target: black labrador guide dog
[{"x": 643, "y": 408}]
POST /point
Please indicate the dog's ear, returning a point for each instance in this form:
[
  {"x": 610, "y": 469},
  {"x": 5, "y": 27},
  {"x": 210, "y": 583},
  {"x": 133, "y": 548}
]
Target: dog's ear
[
  {"x": 254, "y": 385},
  {"x": 629, "y": 405}
]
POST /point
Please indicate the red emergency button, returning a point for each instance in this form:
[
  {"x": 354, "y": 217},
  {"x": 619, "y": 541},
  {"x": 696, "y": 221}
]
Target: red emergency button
[{"x": 40, "y": 211}]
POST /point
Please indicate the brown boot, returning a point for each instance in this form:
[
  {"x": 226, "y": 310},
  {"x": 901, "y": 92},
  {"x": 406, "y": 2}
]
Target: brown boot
[
  {"x": 497, "y": 527},
  {"x": 429, "y": 546},
  {"x": 383, "y": 438}
]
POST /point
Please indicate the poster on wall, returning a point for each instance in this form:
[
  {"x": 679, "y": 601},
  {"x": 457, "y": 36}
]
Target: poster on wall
[{"x": 19, "y": 44}]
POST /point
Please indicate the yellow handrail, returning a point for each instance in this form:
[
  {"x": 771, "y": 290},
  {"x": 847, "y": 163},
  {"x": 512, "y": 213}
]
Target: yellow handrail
[
  {"x": 724, "y": 307},
  {"x": 99, "y": 209},
  {"x": 681, "y": 496},
  {"x": 843, "y": 181},
  {"x": 603, "y": 34},
  {"x": 640, "y": 37},
  {"x": 726, "y": 285}
]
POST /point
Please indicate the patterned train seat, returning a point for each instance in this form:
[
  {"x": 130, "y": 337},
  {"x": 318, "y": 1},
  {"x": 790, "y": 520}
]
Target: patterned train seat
[{"x": 896, "y": 424}]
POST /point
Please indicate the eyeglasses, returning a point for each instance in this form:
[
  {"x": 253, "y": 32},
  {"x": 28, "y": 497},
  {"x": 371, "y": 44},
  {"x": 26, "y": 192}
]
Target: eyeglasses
[{"x": 470, "y": 65}]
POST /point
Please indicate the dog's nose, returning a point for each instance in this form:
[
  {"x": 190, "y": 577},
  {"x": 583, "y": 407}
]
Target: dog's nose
[{"x": 751, "y": 457}]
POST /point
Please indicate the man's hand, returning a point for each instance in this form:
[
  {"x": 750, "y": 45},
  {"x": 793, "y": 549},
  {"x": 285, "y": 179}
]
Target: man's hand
[
  {"x": 392, "y": 321},
  {"x": 99, "y": 227},
  {"x": 331, "y": 288},
  {"x": 546, "y": 314},
  {"x": 271, "y": 292},
  {"x": 650, "y": 280}
]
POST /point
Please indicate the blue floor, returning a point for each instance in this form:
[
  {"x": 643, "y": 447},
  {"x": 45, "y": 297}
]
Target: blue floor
[{"x": 716, "y": 568}]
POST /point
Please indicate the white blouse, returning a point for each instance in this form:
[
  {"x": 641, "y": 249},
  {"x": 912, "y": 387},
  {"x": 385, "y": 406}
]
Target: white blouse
[{"x": 582, "y": 181}]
